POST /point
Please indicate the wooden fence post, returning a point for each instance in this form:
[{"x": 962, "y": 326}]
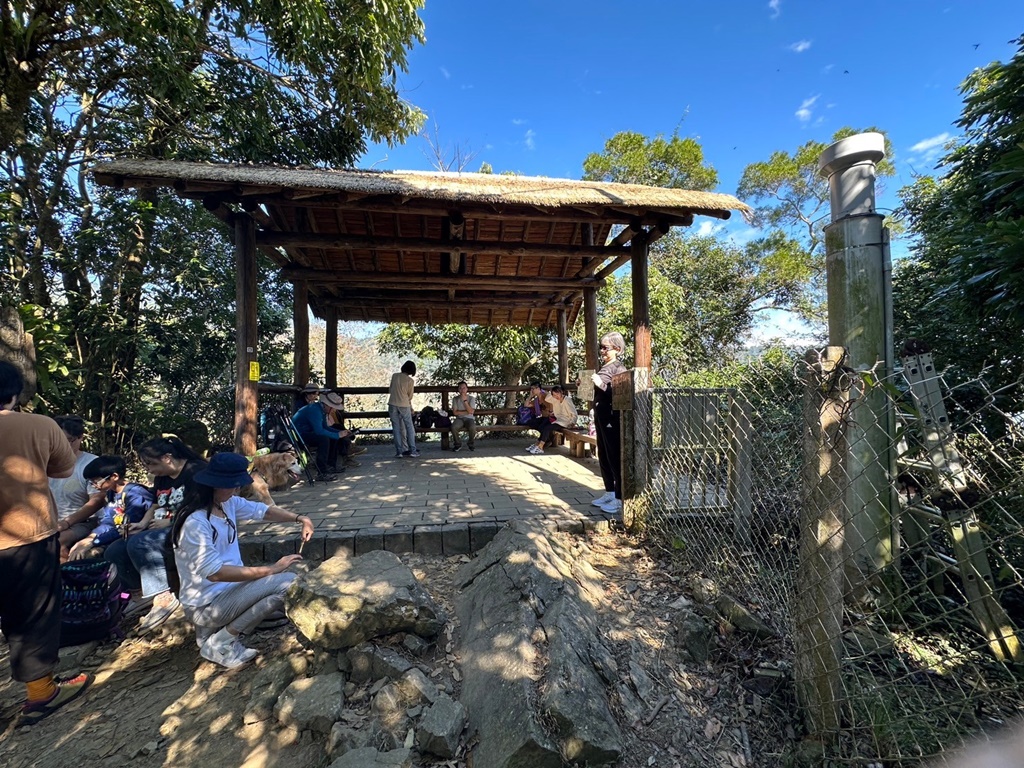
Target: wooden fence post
[{"x": 818, "y": 608}]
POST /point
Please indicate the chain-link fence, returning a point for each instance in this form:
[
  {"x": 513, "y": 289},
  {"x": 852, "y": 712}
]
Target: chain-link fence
[{"x": 876, "y": 523}]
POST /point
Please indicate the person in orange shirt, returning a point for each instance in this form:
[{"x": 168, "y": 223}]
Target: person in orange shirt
[{"x": 32, "y": 449}]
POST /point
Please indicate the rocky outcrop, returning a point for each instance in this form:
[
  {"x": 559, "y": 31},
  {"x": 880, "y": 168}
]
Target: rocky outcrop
[
  {"x": 313, "y": 703},
  {"x": 535, "y": 669},
  {"x": 347, "y": 601}
]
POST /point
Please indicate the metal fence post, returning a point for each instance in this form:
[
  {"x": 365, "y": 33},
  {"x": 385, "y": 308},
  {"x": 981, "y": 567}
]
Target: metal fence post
[{"x": 818, "y": 607}]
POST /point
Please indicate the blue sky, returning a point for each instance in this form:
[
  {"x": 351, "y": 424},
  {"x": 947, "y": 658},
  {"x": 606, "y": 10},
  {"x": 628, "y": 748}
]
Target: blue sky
[{"x": 534, "y": 87}]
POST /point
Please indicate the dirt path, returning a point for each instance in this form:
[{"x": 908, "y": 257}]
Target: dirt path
[{"x": 155, "y": 702}]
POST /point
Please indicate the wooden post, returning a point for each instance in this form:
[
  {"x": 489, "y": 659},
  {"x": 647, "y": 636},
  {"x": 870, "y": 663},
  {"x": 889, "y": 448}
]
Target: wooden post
[
  {"x": 741, "y": 470},
  {"x": 638, "y": 424},
  {"x": 818, "y": 608},
  {"x": 331, "y": 348},
  {"x": 246, "y": 377},
  {"x": 446, "y": 407},
  {"x": 300, "y": 324},
  {"x": 563, "y": 349}
]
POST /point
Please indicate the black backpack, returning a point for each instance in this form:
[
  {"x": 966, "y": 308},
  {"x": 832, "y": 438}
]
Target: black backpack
[
  {"x": 92, "y": 601},
  {"x": 427, "y": 416}
]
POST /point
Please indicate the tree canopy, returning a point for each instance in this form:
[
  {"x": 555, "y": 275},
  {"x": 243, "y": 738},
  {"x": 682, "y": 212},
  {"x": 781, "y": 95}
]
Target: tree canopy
[{"x": 632, "y": 158}]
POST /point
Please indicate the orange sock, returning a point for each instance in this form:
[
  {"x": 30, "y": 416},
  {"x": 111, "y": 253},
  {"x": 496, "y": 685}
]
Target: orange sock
[{"x": 41, "y": 689}]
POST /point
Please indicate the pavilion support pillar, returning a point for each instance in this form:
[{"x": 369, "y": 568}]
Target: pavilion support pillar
[
  {"x": 300, "y": 324},
  {"x": 331, "y": 348},
  {"x": 638, "y": 423},
  {"x": 590, "y": 309},
  {"x": 246, "y": 364},
  {"x": 563, "y": 348}
]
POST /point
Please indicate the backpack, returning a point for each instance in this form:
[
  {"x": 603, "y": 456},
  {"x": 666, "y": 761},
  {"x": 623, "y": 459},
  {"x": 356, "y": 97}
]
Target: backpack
[
  {"x": 427, "y": 416},
  {"x": 524, "y": 414},
  {"x": 92, "y": 601}
]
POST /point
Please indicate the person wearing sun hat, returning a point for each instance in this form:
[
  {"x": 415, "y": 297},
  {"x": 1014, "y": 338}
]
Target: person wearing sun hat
[
  {"x": 334, "y": 412},
  {"x": 311, "y": 423},
  {"x": 221, "y": 596}
]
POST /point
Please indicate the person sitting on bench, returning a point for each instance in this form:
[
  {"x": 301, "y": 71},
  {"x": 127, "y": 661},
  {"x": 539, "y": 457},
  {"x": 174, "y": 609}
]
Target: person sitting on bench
[
  {"x": 563, "y": 417},
  {"x": 464, "y": 413},
  {"x": 311, "y": 423}
]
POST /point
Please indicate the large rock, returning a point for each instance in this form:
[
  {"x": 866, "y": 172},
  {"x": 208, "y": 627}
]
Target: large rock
[
  {"x": 369, "y": 662},
  {"x": 533, "y": 663},
  {"x": 313, "y": 703},
  {"x": 439, "y": 730},
  {"x": 368, "y": 757},
  {"x": 269, "y": 683},
  {"x": 347, "y": 601}
]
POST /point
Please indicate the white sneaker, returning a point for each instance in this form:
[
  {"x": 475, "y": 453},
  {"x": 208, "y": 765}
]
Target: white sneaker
[
  {"x": 612, "y": 507},
  {"x": 600, "y": 501},
  {"x": 231, "y": 654},
  {"x": 532, "y": 449}
]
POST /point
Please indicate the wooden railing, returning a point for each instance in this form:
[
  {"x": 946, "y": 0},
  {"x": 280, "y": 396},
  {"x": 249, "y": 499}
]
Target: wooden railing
[{"x": 446, "y": 393}]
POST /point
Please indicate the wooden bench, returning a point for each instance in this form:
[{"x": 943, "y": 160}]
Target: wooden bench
[
  {"x": 580, "y": 443},
  {"x": 445, "y": 432}
]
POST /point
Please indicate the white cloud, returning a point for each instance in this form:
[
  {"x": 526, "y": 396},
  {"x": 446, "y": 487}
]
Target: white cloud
[
  {"x": 708, "y": 228},
  {"x": 529, "y": 137},
  {"x": 805, "y": 112},
  {"x": 446, "y": 73},
  {"x": 466, "y": 87},
  {"x": 518, "y": 121},
  {"x": 800, "y": 46},
  {"x": 773, "y": 5},
  {"x": 827, "y": 68},
  {"x": 927, "y": 144},
  {"x": 930, "y": 150}
]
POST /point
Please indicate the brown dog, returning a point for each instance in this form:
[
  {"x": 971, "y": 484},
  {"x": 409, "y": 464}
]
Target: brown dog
[{"x": 271, "y": 471}]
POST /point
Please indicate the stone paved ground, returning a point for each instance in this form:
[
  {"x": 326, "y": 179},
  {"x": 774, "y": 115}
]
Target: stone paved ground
[{"x": 442, "y": 503}]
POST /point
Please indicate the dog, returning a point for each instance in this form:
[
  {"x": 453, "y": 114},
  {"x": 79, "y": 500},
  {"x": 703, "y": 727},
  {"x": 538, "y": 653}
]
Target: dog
[{"x": 271, "y": 472}]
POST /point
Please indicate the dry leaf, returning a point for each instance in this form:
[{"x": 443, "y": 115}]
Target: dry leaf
[{"x": 712, "y": 727}]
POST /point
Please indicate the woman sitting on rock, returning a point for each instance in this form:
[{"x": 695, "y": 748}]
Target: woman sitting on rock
[{"x": 220, "y": 595}]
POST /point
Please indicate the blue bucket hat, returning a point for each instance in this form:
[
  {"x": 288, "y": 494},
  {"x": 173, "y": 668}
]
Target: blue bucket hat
[{"x": 225, "y": 470}]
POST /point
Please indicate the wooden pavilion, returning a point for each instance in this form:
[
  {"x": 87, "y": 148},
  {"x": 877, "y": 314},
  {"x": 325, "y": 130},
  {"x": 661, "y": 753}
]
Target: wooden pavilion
[{"x": 413, "y": 247}]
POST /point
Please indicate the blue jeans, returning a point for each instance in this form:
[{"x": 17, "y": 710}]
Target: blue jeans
[
  {"x": 402, "y": 428},
  {"x": 141, "y": 562}
]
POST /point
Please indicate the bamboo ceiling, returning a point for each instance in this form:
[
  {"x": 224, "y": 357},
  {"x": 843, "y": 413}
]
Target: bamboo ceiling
[{"x": 403, "y": 246}]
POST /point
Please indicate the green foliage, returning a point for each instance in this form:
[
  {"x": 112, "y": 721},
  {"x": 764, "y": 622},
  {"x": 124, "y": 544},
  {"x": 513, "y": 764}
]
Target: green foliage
[
  {"x": 790, "y": 200},
  {"x": 632, "y": 158},
  {"x": 972, "y": 221}
]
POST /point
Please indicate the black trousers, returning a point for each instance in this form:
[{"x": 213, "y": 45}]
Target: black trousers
[
  {"x": 546, "y": 430},
  {"x": 609, "y": 451},
  {"x": 30, "y": 607},
  {"x": 327, "y": 450}
]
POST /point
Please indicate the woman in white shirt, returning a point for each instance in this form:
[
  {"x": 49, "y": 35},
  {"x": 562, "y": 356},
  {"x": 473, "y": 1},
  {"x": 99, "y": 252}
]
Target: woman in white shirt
[
  {"x": 563, "y": 416},
  {"x": 220, "y": 595}
]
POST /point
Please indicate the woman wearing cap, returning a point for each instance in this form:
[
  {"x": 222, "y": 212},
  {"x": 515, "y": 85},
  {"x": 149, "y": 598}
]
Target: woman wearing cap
[{"x": 223, "y": 597}]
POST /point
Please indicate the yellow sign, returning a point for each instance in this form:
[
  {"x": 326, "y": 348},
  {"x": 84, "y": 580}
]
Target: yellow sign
[{"x": 254, "y": 371}]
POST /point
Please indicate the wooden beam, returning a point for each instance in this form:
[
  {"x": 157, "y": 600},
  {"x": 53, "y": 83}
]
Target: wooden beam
[
  {"x": 300, "y": 325},
  {"x": 245, "y": 334},
  {"x": 438, "y": 304},
  {"x": 365, "y": 242},
  {"x": 432, "y": 281},
  {"x": 641, "y": 304}
]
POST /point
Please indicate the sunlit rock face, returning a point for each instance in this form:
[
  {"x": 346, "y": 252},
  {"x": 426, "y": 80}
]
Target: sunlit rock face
[
  {"x": 347, "y": 601},
  {"x": 535, "y": 669}
]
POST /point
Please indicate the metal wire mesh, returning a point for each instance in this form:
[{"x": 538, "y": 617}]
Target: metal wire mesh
[{"x": 874, "y": 521}]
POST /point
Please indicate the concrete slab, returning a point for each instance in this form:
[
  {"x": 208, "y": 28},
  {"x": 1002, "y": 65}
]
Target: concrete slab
[{"x": 441, "y": 503}]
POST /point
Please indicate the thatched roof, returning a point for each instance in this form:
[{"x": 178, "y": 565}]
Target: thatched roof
[{"x": 414, "y": 246}]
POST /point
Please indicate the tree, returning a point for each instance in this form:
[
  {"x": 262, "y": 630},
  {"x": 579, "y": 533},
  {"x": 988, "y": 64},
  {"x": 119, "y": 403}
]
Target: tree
[
  {"x": 791, "y": 202},
  {"x": 632, "y": 158},
  {"x": 271, "y": 82},
  {"x": 972, "y": 221},
  {"x": 705, "y": 294}
]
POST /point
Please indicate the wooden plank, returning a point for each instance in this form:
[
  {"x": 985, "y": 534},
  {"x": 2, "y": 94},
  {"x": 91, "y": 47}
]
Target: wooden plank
[
  {"x": 277, "y": 239},
  {"x": 563, "y": 348},
  {"x": 331, "y": 348},
  {"x": 641, "y": 303},
  {"x": 427, "y": 280},
  {"x": 741, "y": 468}
]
